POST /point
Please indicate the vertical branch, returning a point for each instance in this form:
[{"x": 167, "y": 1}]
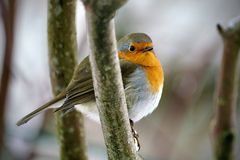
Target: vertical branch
[
  {"x": 62, "y": 51},
  {"x": 107, "y": 79},
  {"x": 8, "y": 17},
  {"x": 224, "y": 135}
]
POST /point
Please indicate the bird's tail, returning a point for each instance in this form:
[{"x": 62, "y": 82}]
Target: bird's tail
[{"x": 29, "y": 116}]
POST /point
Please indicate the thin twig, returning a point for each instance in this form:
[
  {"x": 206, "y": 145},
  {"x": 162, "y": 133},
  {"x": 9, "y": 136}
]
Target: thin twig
[{"x": 224, "y": 134}]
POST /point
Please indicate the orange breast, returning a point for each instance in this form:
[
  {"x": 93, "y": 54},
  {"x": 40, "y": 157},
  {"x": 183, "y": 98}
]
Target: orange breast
[
  {"x": 155, "y": 77},
  {"x": 150, "y": 64}
]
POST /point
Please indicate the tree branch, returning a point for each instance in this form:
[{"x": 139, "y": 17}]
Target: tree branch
[
  {"x": 62, "y": 51},
  {"x": 225, "y": 119},
  {"x": 8, "y": 17},
  {"x": 107, "y": 79}
]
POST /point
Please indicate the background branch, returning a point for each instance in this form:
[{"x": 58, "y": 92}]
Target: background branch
[
  {"x": 62, "y": 45},
  {"x": 8, "y": 17},
  {"x": 107, "y": 78},
  {"x": 224, "y": 134}
]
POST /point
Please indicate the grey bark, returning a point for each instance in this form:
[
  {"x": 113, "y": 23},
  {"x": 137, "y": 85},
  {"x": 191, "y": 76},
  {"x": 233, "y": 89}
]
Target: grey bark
[
  {"x": 62, "y": 45},
  {"x": 224, "y": 132},
  {"x": 107, "y": 79}
]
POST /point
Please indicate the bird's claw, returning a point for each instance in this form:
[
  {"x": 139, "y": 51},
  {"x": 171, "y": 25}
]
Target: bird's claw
[{"x": 135, "y": 136}]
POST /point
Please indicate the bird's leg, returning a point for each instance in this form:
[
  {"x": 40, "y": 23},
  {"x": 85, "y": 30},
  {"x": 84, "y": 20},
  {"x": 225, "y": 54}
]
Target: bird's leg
[{"x": 135, "y": 135}]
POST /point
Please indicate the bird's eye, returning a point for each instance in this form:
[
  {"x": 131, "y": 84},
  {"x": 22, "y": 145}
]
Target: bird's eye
[{"x": 131, "y": 48}]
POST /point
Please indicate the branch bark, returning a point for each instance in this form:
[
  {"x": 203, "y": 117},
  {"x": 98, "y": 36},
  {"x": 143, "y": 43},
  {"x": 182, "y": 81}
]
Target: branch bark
[
  {"x": 107, "y": 79},
  {"x": 62, "y": 51},
  {"x": 224, "y": 134},
  {"x": 8, "y": 17}
]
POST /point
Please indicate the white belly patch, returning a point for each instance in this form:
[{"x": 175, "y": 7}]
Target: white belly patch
[
  {"x": 145, "y": 106},
  {"x": 90, "y": 110},
  {"x": 139, "y": 110}
]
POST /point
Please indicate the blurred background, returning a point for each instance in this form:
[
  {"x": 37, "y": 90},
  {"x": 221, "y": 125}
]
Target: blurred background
[{"x": 188, "y": 45}]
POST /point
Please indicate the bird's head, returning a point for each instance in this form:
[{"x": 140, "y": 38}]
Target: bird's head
[{"x": 137, "y": 48}]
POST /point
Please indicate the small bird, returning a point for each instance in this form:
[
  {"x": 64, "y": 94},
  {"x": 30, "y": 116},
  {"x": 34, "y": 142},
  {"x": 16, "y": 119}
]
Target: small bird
[{"x": 142, "y": 76}]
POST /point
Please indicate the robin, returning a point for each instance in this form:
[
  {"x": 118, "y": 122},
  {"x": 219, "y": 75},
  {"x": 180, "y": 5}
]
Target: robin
[{"x": 142, "y": 76}]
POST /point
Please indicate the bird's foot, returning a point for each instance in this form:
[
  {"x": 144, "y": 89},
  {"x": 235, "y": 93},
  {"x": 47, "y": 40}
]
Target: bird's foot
[{"x": 135, "y": 136}]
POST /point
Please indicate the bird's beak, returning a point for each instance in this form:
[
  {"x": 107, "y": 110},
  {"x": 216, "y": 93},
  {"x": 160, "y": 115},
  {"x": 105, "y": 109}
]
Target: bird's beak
[{"x": 147, "y": 49}]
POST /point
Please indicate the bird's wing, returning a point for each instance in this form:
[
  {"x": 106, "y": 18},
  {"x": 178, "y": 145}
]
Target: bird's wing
[{"x": 80, "y": 89}]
